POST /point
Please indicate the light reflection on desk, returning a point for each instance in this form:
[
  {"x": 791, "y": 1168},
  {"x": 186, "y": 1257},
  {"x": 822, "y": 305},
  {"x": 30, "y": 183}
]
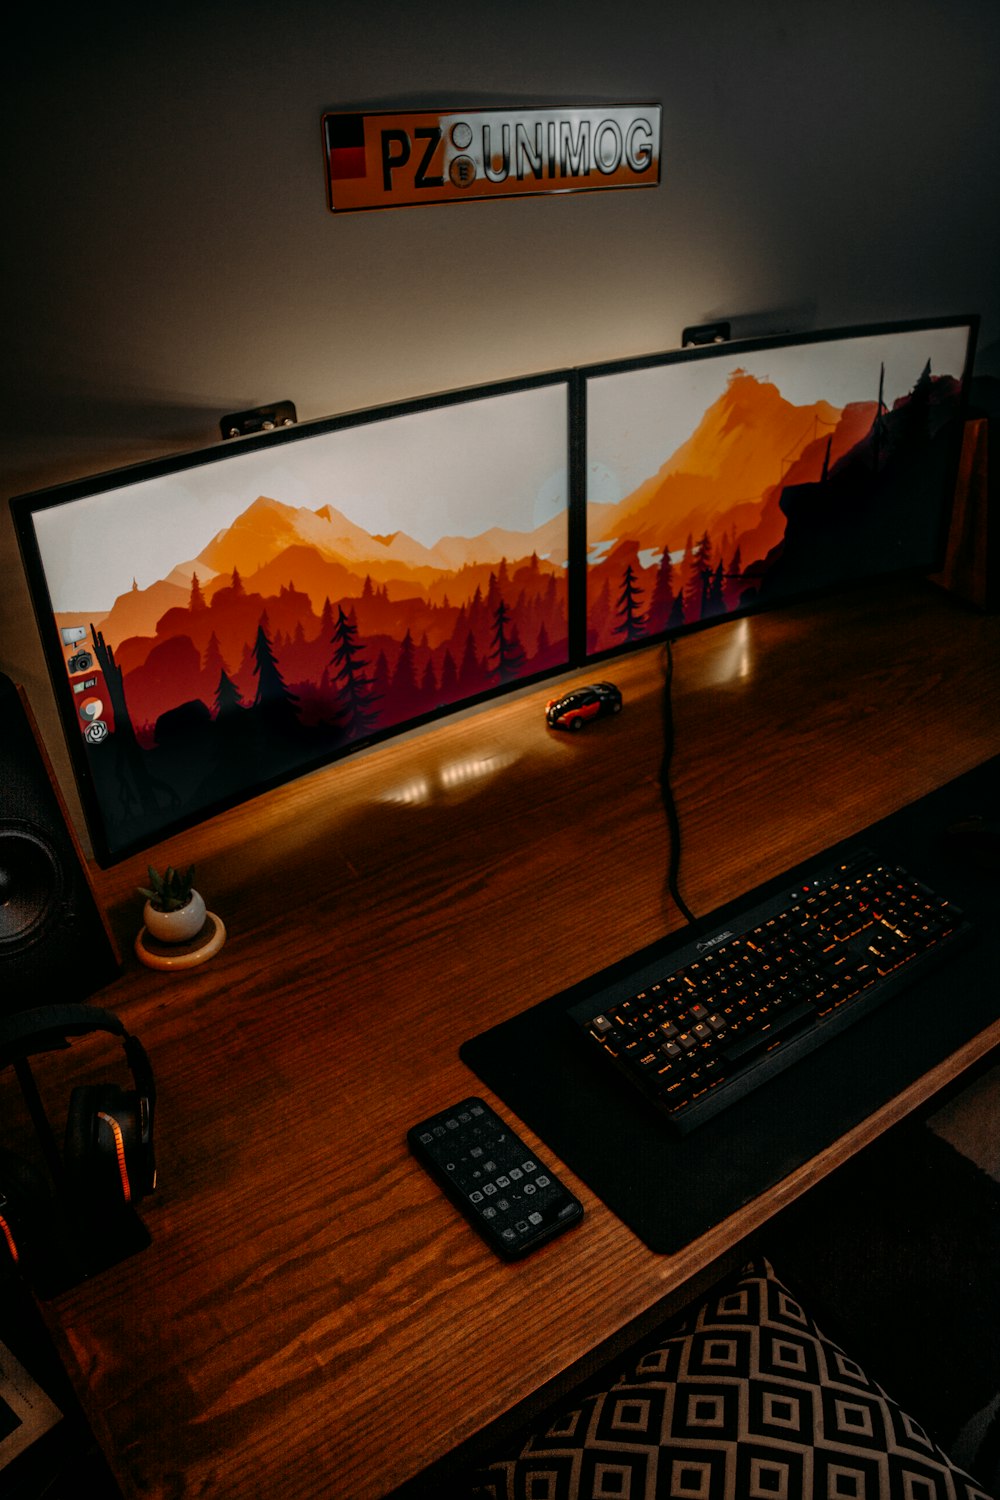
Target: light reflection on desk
[
  {"x": 733, "y": 662},
  {"x": 452, "y": 781}
]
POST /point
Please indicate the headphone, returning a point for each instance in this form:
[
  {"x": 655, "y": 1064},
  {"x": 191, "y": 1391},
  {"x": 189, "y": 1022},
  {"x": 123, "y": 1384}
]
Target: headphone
[{"x": 108, "y": 1164}]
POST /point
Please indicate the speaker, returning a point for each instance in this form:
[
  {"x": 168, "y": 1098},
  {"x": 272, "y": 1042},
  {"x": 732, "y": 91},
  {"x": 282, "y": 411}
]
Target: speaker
[
  {"x": 54, "y": 938},
  {"x": 85, "y": 1220},
  {"x": 971, "y": 567}
]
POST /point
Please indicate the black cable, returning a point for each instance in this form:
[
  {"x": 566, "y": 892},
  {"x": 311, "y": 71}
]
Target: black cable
[{"x": 666, "y": 787}]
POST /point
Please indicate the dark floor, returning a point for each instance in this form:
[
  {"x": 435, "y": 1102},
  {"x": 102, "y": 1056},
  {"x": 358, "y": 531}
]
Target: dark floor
[{"x": 66, "y": 1462}]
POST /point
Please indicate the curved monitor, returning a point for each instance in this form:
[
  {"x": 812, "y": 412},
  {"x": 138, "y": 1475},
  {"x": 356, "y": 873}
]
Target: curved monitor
[
  {"x": 218, "y": 623},
  {"x": 735, "y": 477}
]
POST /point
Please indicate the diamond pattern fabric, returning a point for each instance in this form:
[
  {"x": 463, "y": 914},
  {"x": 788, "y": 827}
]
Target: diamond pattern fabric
[{"x": 745, "y": 1401}]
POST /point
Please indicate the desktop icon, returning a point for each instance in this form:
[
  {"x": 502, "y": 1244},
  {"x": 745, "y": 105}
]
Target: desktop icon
[{"x": 91, "y": 710}]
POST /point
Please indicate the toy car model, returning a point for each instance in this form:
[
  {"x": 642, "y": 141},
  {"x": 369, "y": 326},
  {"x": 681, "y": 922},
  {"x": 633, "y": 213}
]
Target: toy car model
[{"x": 575, "y": 708}]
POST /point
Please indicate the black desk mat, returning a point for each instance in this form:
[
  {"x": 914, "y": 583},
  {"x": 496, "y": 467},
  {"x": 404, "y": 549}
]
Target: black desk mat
[{"x": 670, "y": 1189}]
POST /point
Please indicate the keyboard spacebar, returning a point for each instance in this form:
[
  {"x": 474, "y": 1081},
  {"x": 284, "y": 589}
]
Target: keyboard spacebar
[{"x": 744, "y": 1046}]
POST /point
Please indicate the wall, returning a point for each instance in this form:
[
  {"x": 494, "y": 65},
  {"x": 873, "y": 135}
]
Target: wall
[{"x": 169, "y": 255}]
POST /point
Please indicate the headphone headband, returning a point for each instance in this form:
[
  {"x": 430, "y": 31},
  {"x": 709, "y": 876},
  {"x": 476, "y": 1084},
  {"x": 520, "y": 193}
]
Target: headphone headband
[
  {"x": 50, "y": 1023},
  {"x": 48, "y": 1027}
]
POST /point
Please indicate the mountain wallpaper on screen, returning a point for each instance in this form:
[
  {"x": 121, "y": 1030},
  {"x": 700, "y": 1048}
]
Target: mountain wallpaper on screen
[
  {"x": 769, "y": 498},
  {"x": 295, "y": 634}
]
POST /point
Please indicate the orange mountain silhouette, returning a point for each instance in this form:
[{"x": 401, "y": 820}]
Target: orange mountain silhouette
[
  {"x": 720, "y": 477},
  {"x": 326, "y": 555},
  {"x": 268, "y": 527}
]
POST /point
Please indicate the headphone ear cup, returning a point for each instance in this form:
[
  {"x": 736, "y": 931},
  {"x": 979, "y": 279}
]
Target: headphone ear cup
[{"x": 103, "y": 1152}]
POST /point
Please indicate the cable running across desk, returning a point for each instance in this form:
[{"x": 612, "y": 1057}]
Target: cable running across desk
[{"x": 666, "y": 787}]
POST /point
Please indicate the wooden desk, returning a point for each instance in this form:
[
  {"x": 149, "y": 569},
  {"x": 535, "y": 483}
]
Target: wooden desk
[{"x": 313, "y": 1318}]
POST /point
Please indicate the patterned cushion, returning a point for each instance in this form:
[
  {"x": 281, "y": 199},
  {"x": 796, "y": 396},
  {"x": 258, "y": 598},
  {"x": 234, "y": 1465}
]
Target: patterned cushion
[{"x": 745, "y": 1401}]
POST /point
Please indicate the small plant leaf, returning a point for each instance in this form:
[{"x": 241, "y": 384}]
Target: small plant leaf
[{"x": 170, "y": 891}]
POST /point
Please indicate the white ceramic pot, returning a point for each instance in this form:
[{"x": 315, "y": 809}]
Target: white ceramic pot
[{"x": 175, "y": 926}]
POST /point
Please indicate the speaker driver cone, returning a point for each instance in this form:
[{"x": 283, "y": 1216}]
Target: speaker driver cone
[{"x": 31, "y": 883}]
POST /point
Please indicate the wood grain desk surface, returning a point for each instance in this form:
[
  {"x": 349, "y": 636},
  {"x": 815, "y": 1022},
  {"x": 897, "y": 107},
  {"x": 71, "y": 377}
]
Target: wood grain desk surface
[{"x": 312, "y": 1317}]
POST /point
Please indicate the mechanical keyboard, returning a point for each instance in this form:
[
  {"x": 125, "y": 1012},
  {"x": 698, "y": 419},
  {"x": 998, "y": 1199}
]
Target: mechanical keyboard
[{"x": 724, "y": 1013}]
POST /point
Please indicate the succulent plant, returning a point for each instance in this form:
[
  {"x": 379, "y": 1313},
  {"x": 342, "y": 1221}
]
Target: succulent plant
[{"x": 171, "y": 891}]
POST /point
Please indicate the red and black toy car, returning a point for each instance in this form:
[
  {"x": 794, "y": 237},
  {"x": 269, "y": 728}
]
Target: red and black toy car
[{"x": 575, "y": 708}]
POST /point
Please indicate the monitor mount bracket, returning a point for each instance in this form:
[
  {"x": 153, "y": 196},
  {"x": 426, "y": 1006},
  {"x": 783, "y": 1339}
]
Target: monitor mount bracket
[
  {"x": 706, "y": 333},
  {"x": 258, "y": 419}
]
